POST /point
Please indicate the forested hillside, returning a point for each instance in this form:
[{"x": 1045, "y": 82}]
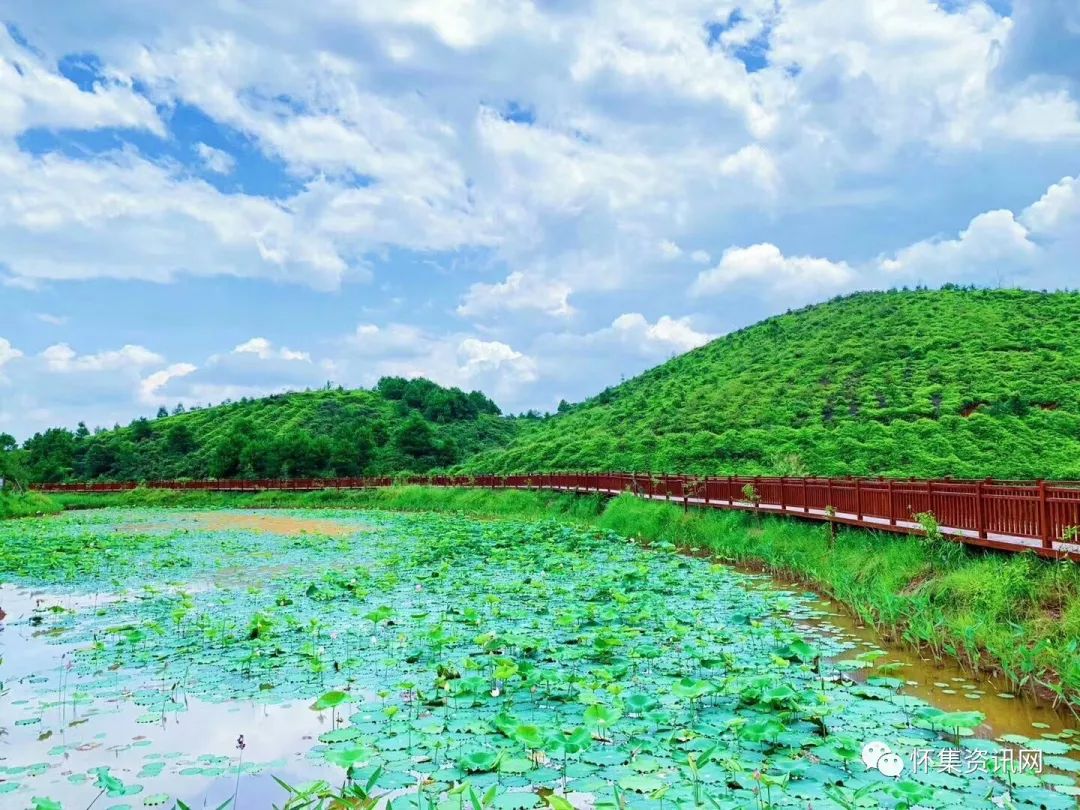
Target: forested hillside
[
  {"x": 400, "y": 425},
  {"x": 967, "y": 383}
]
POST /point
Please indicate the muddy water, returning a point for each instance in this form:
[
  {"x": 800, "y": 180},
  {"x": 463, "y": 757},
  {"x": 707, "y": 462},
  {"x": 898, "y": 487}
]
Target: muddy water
[
  {"x": 943, "y": 683},
  {"x": 268, "y": 522}
]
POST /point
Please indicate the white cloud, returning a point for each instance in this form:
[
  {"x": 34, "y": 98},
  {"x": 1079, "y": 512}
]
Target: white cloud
[
  {"x": 265, "y": 350},
  {"x": 397, "y": 349},
  {"x": 669, "y": 250},
  {"x": 216, "y": 160},
  {"x": 402, "y": 339},
  {"x": 641, "y": 147},
  {"x": 518, "y": 292},
  {"x": 52, "y": 320},
  {"x": 120, "y": 216},
  {"x": 669, "y": 334},
  {"x": 151, "y": 385},
  {"x": 480, "y": 356},
  {"x": 755, "y": 164},
  {"x": 765, "y": 267},
  {"x": 993, "y": 239},
  {"x": 1057, "y": 211},
  {"x": 1038, "y": 247},
  {"x": 7, "y": 354},
  {"x": 61, "y": 358},
  {"x": 34, "y": 94}
]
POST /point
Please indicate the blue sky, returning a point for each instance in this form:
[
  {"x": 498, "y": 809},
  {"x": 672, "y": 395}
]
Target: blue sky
[{"x": 532, "y": 198}]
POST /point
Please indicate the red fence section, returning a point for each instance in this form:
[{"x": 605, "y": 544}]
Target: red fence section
[{"x": 1014, "y": 516}]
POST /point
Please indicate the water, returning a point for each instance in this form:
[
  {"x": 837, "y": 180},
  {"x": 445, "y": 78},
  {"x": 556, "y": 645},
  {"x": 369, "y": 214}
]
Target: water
[{"x": 148, "y": 641}]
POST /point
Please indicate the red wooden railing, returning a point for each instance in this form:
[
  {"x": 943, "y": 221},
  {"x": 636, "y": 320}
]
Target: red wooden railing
[{"x": 1009, "y": 515}]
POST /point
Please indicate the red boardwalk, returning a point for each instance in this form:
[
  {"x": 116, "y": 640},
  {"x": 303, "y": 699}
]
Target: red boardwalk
[{"x": 1011, "y": 516}]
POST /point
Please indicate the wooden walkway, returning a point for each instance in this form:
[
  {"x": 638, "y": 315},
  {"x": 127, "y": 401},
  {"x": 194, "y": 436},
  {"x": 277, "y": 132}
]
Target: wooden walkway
[
  {"x": 1013, "y": 516},
  {"x": 1001, "y": 542}
]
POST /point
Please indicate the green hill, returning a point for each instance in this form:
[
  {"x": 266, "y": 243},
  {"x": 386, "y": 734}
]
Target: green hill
[
  {"x": 967, "y": 383},
  {"x": 401, "y": 425}
]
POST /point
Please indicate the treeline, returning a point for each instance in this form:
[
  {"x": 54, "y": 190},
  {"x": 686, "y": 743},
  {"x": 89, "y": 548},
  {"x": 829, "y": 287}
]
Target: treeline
[{"x": 401, "y": 425}]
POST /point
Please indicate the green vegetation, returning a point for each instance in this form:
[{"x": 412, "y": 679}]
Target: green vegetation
[
  {"x": 967, "y": 383},
  {"x": 954, "y": 382},
  {"x": 400, "y": 425},
  {"x": 511, "y": 664},
  {"x": 1017, "y": 615},
  {"x": 26, "y": 504}
]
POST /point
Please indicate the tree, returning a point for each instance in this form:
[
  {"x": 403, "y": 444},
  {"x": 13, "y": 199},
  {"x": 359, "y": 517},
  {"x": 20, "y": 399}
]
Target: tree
[
  {"x": 11, "y": 468},
  {"x": 141, "y": 431},
  {"x": 416, "y": 440},
  {"x": 162, "y": 412},
  {"x": 391, "y": 388},
  {"x": 179, "y": 440},
  {"x": 51, "y": 455}
]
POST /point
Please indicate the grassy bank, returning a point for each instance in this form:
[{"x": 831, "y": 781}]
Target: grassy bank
[
  {"x": 1018, "y": 615},
  {"x": 27, "y": 505}
]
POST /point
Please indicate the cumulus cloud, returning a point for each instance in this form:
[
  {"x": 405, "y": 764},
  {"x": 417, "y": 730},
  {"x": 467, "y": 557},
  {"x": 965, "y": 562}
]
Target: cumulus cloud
[
  {"x": 121, "y": 216},
  {"x": 451, "y": 358},
  {"x": 992, "y": 239},
  {"x": 630, "y": 332},
  {"x": 765, "y": 266},
  {"x": 600, "y": 154},
  {"x": 485, "y": 356},
  {"x": 396, "y": 338},
  {"x": 265, "y": 350},
  {"x": 667, "y": 334},
  {"x": 1057, "y": 212},
  {"x": 216, "y": 160},
  {"x": 151, "y": 385},
  {"x": 518, "y": 292},
  {"x": 60, "y": 357},
  {"x": 34, "y": 94},
  {"x": 7, "y": 354},
  {"x": 1036, "y": 247}
]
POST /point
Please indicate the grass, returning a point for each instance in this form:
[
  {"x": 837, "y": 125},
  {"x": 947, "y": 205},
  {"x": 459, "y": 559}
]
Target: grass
[
  {"x": 27, "y": 504},
  {"x": 1016, "y": 615}
]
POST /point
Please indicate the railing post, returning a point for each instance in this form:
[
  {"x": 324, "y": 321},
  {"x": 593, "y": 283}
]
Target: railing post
[
  {"x": 858, "y": 499},
  {"x": 805, "y": 497},
  {"x": 1044, "y": 517},
  {"x": 980, "y": 510},
  {"x": 829, "y": 495},
  {"x": 892, "y": 505}
]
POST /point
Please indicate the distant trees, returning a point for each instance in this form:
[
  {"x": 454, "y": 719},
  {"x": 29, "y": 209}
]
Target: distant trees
[
  {"x": 179, "y": 439},
  {"x": 51, "y": 455},
  {"x": 438, "y": 404},
  {"x": 11, "y": 466},
  {"x": 403, "y": 425},
  {"x": 142, "y": 430}
]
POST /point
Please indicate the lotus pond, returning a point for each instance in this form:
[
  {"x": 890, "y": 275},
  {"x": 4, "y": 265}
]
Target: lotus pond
[{"x": 345, "y": 659}]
